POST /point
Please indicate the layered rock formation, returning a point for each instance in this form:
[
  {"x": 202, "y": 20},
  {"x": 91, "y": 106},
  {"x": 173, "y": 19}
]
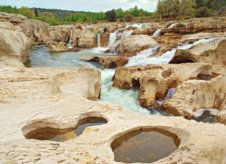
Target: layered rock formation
[
  {"x": 36, "y": 30},
  {"x": 193, "y": 95},
  {"x": 25, "y": 84},
  {"x": 60, "y": 47},
  {"x": 211, "y": 52},
  {"x": 130, "y": 46},
  {"x": 154, "y": 81},
  {"x": 107, "y": 61},
  {"x": 14, "y": 44},
  {"x": 43, "y": 98}
]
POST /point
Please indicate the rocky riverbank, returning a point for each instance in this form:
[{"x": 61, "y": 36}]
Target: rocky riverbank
[{"x": 176, "y": 67}]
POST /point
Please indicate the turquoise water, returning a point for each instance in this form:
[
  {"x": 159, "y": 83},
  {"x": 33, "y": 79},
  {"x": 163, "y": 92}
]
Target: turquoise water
[{"x": 128, "y": 99}]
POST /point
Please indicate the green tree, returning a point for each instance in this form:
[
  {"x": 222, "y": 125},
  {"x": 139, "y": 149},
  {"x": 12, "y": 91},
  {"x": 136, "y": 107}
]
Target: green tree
[
  {"x": 111, "y": 16},
  {"x": 26, "y": 12},
  {"x": 129, "y": 18}
]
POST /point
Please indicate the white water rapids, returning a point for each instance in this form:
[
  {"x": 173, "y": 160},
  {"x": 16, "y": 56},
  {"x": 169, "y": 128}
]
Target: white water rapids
[{"x": 128, "y": 99}]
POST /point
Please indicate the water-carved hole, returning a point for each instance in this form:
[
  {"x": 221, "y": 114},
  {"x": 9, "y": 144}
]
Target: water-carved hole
[
  {"x": 136, "y": 83},
  {"x": 49, "y": 133},
  {"x": 204, "y": 77},
  {"x": 144, "y": 145}
]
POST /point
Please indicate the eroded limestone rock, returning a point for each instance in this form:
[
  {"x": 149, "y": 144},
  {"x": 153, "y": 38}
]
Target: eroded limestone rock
[
  {"x": 107, "y": 61},
  {"x": 211, "y": 52},
  {"x": 14, "y": 44},
  {"x": 130, "y": 46}
]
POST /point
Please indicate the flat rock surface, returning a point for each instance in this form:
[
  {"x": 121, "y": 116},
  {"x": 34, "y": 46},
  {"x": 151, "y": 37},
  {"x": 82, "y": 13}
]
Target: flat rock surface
[{"x": 25, "y": 113}]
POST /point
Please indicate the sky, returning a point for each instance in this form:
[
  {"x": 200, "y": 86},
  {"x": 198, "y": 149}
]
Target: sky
[{"x": 84, "y": 5}]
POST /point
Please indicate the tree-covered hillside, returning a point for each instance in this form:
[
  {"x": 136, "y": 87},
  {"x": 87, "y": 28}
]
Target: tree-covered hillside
[
  {"x": 190, "y": 8},
  {"x": 56, "y": 16}
]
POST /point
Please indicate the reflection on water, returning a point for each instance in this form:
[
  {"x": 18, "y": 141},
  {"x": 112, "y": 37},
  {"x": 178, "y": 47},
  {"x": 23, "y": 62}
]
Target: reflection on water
[
  {"x": 62, "y": 135},
  {"x": 144, "y": 146},
  {"x": 40, "y": 57}
]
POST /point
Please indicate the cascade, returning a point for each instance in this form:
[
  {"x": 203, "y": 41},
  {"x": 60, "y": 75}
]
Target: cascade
[
  {"x": 172, "y": 26},
  {"x": 69, "y": 45},
  {"x": 98, "y": 39},
  {"x": 157, "y": 33}
]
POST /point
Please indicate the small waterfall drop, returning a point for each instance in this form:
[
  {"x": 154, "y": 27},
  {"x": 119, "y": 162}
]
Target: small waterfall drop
[
  {"x": 172, "y": 25},
  {"x": 112, "y": 38},
  {"x": 98, "y": 39},
  {"x": 128, "y": 99},
  {"x": 122, "y": 33},
  {"x": 69, "y": 45},
  {"x": 142, "y": 59},
  {"x": 157, "y": 33}
]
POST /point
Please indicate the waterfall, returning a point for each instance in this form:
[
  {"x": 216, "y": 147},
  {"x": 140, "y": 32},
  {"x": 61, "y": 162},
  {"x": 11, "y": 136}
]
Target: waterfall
[
  {"x": 172, "y": 26},
  {"x": 122, "y": 32},
  {"x": 98, "y": 39},
  {"x": 170, "y": 93},
  {"x": 69, "y": 45},
  {"x": 157, "y": 33},
  {"x": 126, "y": 34},
  {"x": 113, "y": 38},
  {"x": 125, "y": 98},
  {"x": 142, "y": 59}
]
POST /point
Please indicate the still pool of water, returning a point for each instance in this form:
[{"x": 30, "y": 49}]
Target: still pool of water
[
  {"x": 144, "y": 146},
  {"x": 61, "y": 135}
]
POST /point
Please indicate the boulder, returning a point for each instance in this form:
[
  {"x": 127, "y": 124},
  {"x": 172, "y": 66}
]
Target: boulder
[
  {"x": 36, "y": 30},
  {"x": 221, "y": 117},
  {"x": 193, "y": 95},
  {"x": 154, "y": 81},
  {"x": 60, "y": 33},
  {"x": 60, "y": 47},
  {"x": 195, "y": 25},
  {"x": 133, "y": 44},
  {"x": 210, "y": 52},
  {"x": 107, "y": 61},
  {"x": 13, "y": 43},
  {"x": 88, "y": 39},
  {"x": 27, "y": 84}
]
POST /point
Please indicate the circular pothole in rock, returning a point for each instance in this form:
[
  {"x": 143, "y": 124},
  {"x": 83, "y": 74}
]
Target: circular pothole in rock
[
  {"x": 144, "y": 146},
  {"x": 61, "y": 135}
]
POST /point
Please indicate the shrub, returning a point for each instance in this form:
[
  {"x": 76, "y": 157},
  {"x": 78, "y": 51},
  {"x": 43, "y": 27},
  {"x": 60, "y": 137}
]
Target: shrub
[
  {"x": 203, "y": 12},
  {"x": 111, "y": 15},
  {"x": 129, "y": 18}
]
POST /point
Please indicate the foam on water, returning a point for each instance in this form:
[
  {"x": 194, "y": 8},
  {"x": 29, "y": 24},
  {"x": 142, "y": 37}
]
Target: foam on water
[
  {"x": 69, "y": 45},
  {"x": 143, "y": 58},
  {"x": 157, "y": 33},
  {"x": 128, "y": 99},
  {"x": 172, "y": 26}
]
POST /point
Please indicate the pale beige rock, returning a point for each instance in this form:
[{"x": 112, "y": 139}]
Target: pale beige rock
[
  {"x": 130, "y": 46},
  {"x": 93, "y": 146},
  {"x": 211, "y": 52},
  {"x": 193, "y": 95},
  {"x": 13, "y": 43},
  {"x": 155, "y": 80},
  {"x": 60, "y": 33},
  {"x": 36, "y": 30},
  {"x": 60, "y": 47},
  {"x": 87, "y": 40},
  {"x": 195, "y": 25},
  {"x": 221, "y": 117},
  {"x": 17, "y": 84},
  {"x": 107, "y": 61}
]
